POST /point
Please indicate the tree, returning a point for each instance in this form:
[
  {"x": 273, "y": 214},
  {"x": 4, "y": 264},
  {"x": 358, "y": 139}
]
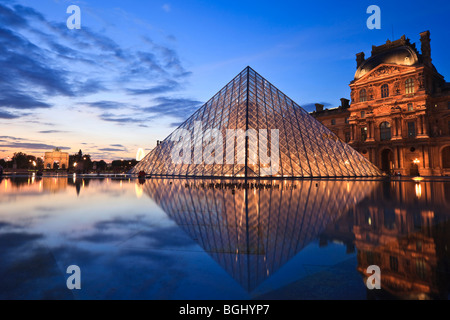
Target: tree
[
  {"x": 32, "y": 162},
  {"x": 21, "y": 160},
  {"x": 123, "y": 165},
  {"x": 83, "y": 162},
  {"x": 39, "y": 164},
  {"x": 101, "y": 165}
]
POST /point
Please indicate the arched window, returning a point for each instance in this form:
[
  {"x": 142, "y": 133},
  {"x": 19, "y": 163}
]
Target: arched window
[
  {"x": 385, "y": 131},
  {"x": 409, "y": 86},
  {"x": 363, "y": 134},
  {"x": 384, "y": 91},
  {"x": 363, "y": 95}
]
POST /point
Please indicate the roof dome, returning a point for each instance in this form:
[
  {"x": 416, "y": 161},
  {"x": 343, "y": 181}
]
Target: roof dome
[{"x": 402, "y": 55}]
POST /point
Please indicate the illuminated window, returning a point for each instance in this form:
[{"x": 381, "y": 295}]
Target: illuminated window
[
  {"x": 363, "y": 134},
  {"x": 410, "y": 107},
  {"x": 385, "y": 131},
  {"x": 409, "y": 86},
  {"x": 363, "y": 95},
  {"x": 384, "y": 91}
]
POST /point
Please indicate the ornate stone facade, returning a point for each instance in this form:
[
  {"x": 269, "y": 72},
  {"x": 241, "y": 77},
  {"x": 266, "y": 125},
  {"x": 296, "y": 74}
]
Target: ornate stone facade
[
  {"x": 399, "y": 117},
  {"x": 56, "y": 160}
]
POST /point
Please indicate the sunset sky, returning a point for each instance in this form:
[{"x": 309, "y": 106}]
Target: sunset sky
[{"x": 136, "y": 69}]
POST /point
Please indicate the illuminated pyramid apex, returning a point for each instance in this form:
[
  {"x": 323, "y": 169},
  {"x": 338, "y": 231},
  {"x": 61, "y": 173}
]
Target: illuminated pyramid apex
[{"x": 251, "y": 129}]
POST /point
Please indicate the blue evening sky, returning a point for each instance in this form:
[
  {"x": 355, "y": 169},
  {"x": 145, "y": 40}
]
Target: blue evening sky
[{"x": 138, "y": 68}]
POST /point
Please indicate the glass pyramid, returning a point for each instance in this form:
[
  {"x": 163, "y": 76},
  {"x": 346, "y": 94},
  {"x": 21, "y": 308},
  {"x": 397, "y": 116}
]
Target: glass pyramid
[{"x": 282, "y": 139}]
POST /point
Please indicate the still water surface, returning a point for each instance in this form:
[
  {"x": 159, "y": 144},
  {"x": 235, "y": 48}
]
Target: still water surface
[{"x": 219, "y": 239}]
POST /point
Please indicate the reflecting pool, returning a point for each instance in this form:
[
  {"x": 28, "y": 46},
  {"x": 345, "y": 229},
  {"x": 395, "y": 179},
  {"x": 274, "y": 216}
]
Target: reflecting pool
[{"x": 223, "y": 239}]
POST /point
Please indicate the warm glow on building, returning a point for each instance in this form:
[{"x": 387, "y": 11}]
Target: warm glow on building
[{"x": 399, "y": 114}]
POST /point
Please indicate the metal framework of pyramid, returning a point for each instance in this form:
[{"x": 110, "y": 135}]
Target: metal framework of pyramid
[{"x": 306, "y": 149}]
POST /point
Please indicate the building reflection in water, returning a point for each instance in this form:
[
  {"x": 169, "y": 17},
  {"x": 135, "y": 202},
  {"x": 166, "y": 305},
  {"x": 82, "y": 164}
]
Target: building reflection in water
[
  {"x": 404, "y": 228},
  {"x": 253, "y": 229},
  {"x": 45, "y": 184}
]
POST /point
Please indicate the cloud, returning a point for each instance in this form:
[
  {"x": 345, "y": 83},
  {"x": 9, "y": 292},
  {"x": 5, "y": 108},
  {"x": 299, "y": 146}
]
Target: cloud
[
  {"x": 163, "y": 88},
  {"x": 166, "y": 7},
  {"x": 114, "y": 148},
  {"x": 11, "y": 138},
  {"x": 119, "y": 222},
  {"x": 175, "y": 107},
  {"x": 175, "y": 124},
  {"x": 170, "y": 62},
  {"x": 7, "y": 115},
  {"x": 24, "y": 66},
  {"x": 111, "y": 150},
  {"x": 41, "y": 59},
  {"x": 9, "y": 17},
  {"x": 121, "y": 119},
  {"x": 16, "y": 99},
  {"x": 27, "y": 73},
  {"x": 107, "y": 105},
  {"x": 90, "y": 86},
  {"x": 52, "y": 131},
  {"x": 34, "y": 146}
]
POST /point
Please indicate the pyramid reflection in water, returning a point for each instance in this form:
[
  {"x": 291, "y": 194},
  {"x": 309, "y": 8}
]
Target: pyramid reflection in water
[
  {"x": 249, "y": 103},
  {"x": 251, "y": 231}
]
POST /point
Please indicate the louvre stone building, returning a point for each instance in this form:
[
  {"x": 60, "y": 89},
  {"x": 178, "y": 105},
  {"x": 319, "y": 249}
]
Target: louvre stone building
[{"x": 399, "y": 117}]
